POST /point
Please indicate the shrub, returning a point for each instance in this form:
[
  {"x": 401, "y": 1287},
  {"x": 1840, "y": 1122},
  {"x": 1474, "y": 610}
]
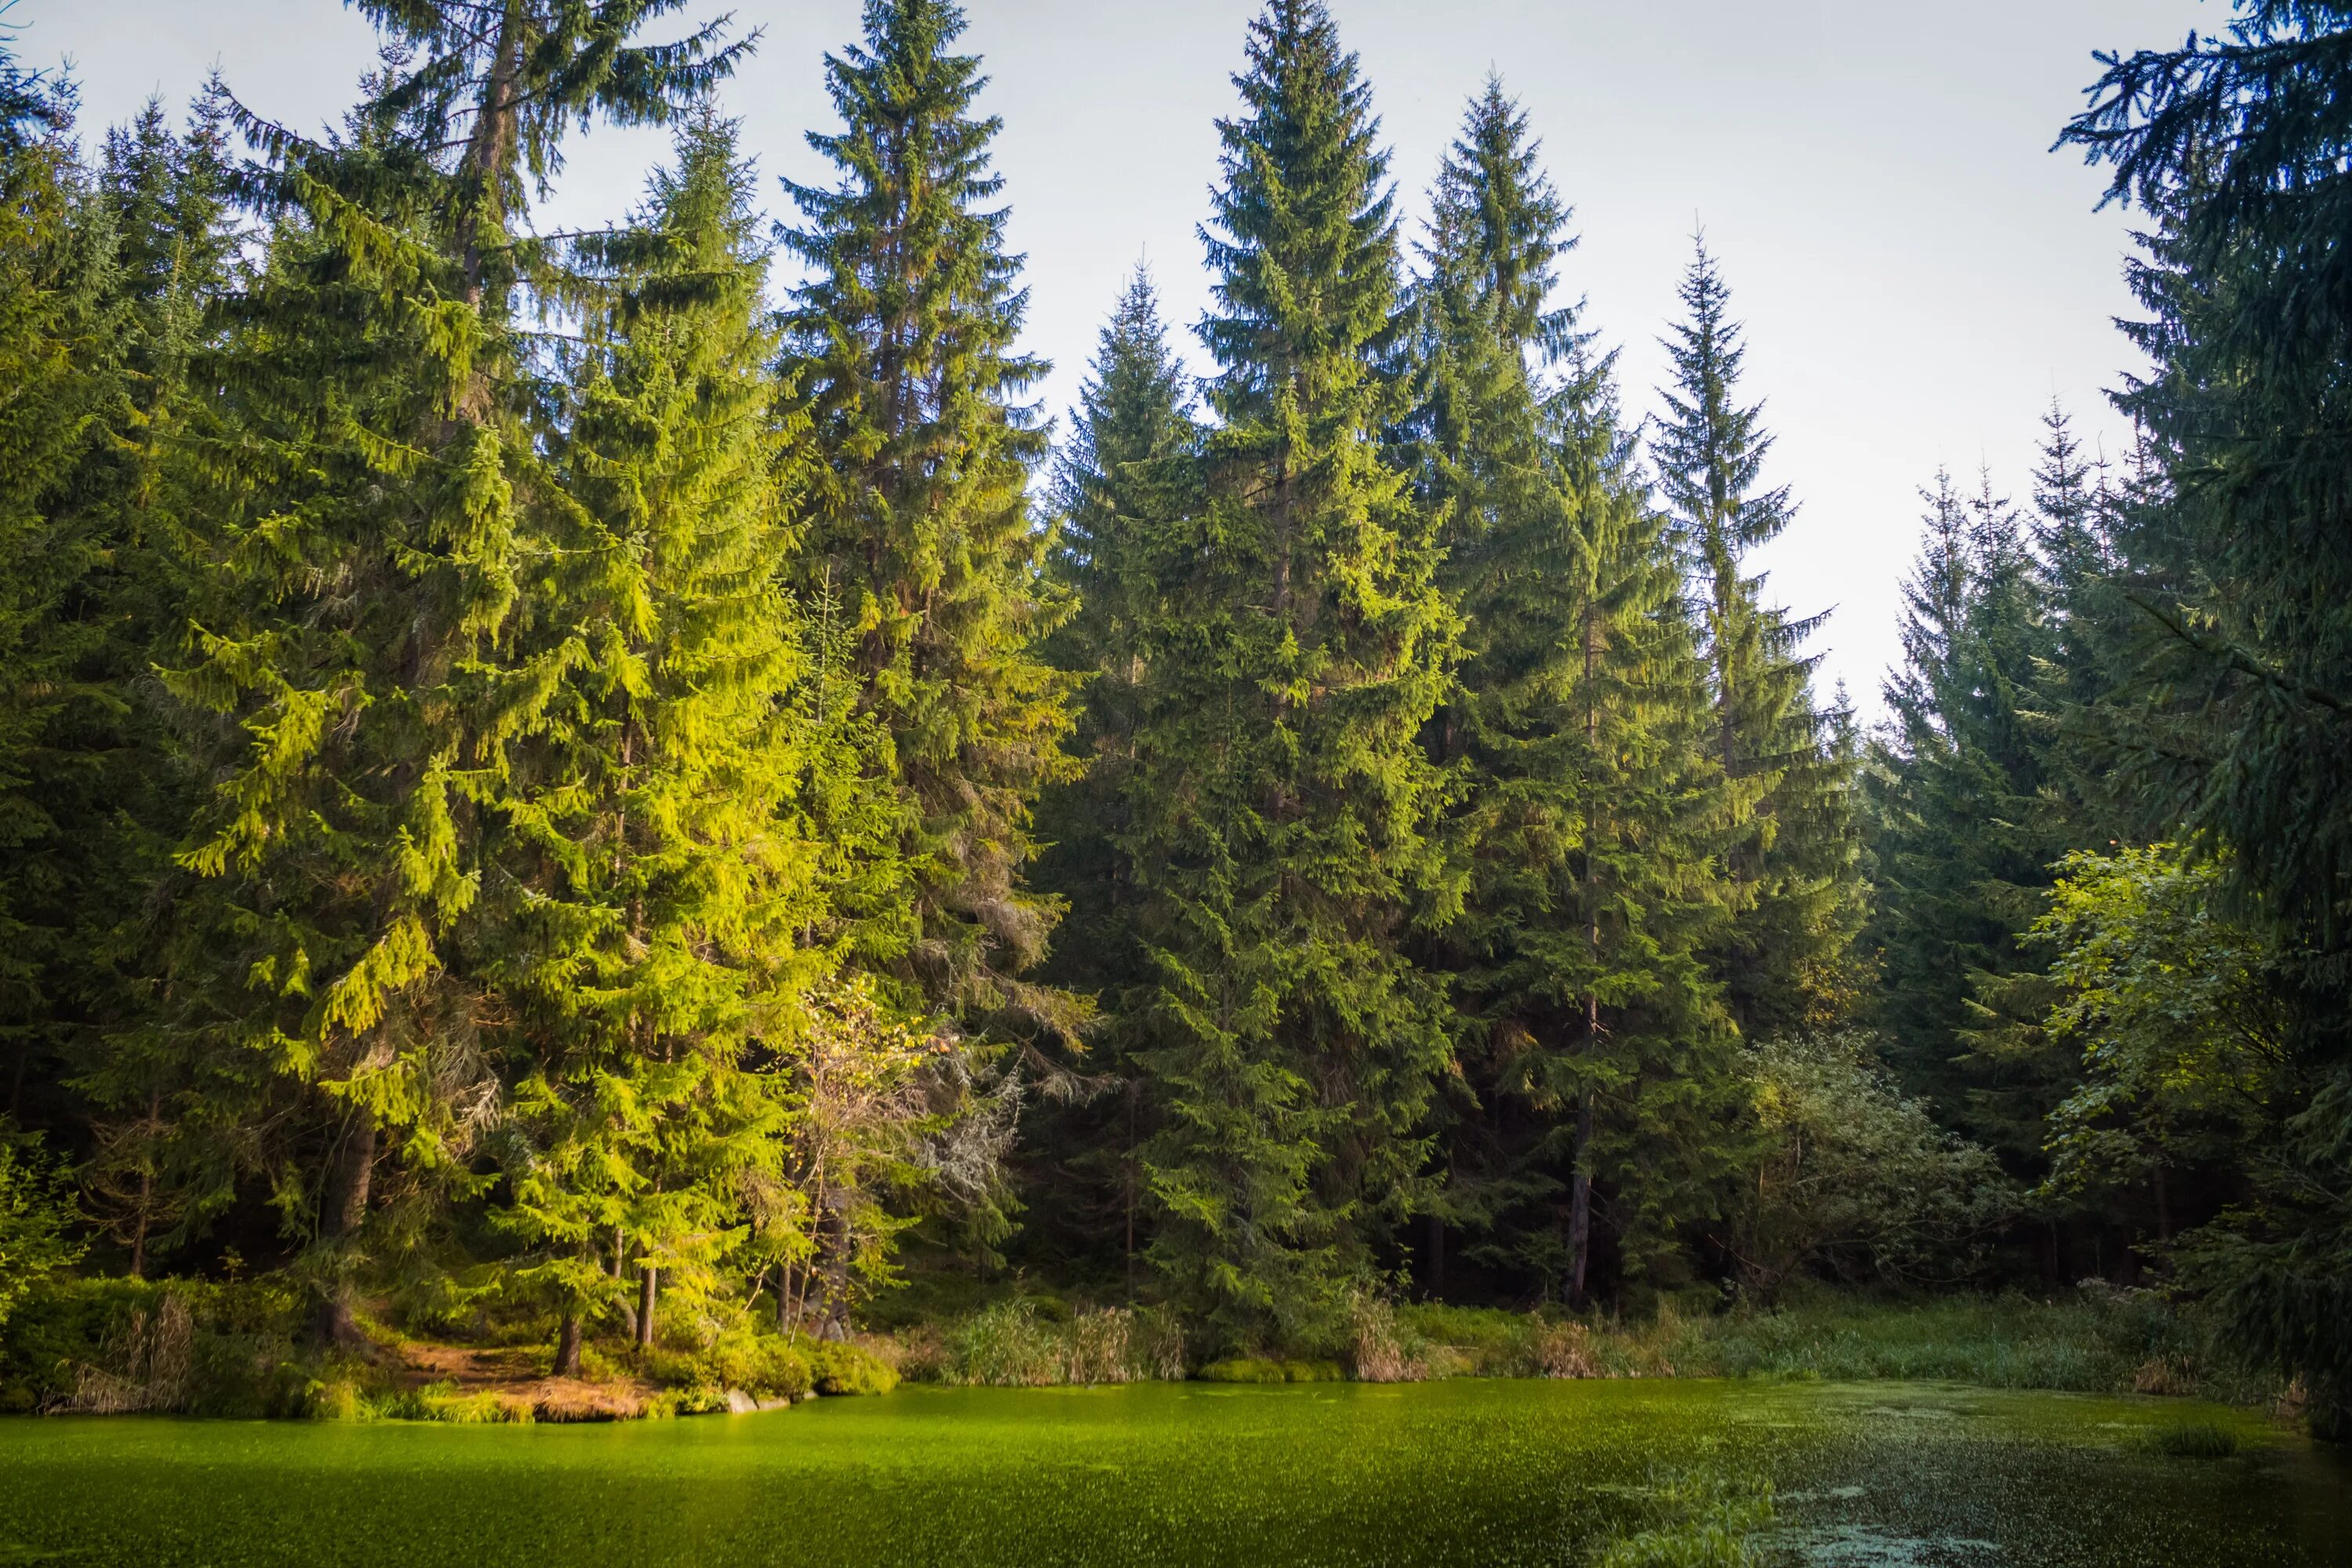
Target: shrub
[
  {"x": 849, "y": 1369},
  {"x": 1259, "y": 1369},
  {"x": 1006, "y": 1346},
  {"x": 1378, "y": 1352},
  {"x": 35, "y": 1211}
]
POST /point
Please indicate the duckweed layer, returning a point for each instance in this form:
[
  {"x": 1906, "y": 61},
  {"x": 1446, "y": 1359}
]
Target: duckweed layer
[{"x": 1454, "y": 1474}]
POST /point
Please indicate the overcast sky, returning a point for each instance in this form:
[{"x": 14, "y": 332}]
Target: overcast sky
[{"x": 1918, "y": 274}]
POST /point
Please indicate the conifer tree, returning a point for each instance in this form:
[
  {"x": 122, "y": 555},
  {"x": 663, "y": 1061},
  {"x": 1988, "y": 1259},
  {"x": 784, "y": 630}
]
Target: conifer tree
[
  {"x": 1126, "y": 476},
  {"x": 650, "y": 840},
  {"x": 167, "y": 197},
  {"x": 903, "y": 351},
  {"x": 376, "y": 479},
  {"x": 1282, "y": 800},
  {"x": 2228, "y": 727},
  {"x": 1964, "y": 835},
  {"x": 62, "y": 326},
  {"x": 1793, "y": 856},
  {"x": 1584, "y": 799}
]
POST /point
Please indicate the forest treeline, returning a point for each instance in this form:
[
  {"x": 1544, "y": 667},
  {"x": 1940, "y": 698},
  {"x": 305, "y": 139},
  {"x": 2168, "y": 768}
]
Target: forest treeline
[{"x": 628, "y": 773}]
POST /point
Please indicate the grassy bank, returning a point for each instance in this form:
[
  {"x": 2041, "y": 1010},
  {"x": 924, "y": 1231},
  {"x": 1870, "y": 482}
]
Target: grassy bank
[
  {"x": 2092, "y": 1342},
  {"x": 127, "y": 1346},
  {"x": 104, "y": 1346}
]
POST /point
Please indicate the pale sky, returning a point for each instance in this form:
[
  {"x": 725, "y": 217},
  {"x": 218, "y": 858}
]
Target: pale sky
[{"x": 1919, "y": 276}]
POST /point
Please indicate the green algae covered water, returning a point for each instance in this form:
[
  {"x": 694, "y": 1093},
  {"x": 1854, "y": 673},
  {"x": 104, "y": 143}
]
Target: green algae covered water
[{"x": 1454, "y": 1474}]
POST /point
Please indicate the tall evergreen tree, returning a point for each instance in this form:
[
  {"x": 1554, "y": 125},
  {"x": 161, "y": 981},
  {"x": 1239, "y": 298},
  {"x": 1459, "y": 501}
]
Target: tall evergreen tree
[
  {"x": 167, "y": 197},
  {"x": 62, "y": 328},
  {"x": 2228, "y": 728},
  {"x": 903, "y": 349},
  {"x": 1793, "y": 856},
  {"x": 653, "y": 872},
  {"x": 1964, "y": 834},
  {"x": 1582, "y": 799},
  {"x": 1282, "y": 800},
  {"x": 1128, "y": 474},
  {"x": 377, "y": 482}
]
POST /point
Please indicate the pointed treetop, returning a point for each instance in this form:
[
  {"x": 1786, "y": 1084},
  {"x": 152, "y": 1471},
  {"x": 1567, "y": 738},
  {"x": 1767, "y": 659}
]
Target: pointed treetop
[
  {"x": 1303, "y": 235},
  {"x": 1711, "y": 450},
  {"x": 1497, "y": 216}
]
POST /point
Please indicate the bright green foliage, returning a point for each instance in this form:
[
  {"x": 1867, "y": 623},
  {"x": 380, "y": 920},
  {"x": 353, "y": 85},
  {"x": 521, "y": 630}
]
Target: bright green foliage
[
  {"x": 372, "y": 487},
  {"x": 649, "y": 874},
  {"x": 1586, "y": 804},
  {"x": 2177, "y": 1014},
  {"x": 36, "y": 1214},
  {"x": 1281, "y": 798},
  {"x": 1793, "y": 854},
  {"x": 919, "y": 519},
  {"x": 1855, "y": 1179}
]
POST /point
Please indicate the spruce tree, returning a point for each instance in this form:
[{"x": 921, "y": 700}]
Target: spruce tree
[
  {"x": 919, "y": 519},
  {"x": 2226, "y": 726},
  {"x": 1128, "y": 475},
  {"x": 655, "y": 881},
  {"x": 1963, "y": 832},
  {"x": 168, "y": 199},
  {"x": 376, "y": 479},
  {"x": 1583, "y": 800},
  {"x": 62, "y": 385},
  {"x": 1794, "y": 854},
  {"x": 1282, "y": 800}
]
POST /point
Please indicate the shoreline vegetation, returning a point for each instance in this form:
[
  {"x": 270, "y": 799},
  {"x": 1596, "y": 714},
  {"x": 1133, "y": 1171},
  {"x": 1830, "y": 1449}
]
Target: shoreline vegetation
[
  {"x": 114, "y": 1347},
  {"x": 620, "y": 823}
]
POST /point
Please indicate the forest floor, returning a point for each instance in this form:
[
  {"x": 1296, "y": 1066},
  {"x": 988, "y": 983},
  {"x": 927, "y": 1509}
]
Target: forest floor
[{"x": 508, "y": 1380}]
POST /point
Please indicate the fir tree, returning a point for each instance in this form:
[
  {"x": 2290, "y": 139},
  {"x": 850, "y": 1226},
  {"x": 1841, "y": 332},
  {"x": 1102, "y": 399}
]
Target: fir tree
[
  {"x": 1793, "y": 853},
  {"x": 1964, "y": 836},
  {"x": 1282, "y": 801},
  {"x": 168, "y": 199},
  {"x": 2227, "y": 726},
  {"x": 62, "y": 330},
  {"x": 920, "y": 522}
]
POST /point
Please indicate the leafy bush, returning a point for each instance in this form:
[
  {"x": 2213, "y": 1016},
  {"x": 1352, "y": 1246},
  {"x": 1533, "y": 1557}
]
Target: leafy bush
[
  {"x": 1855, "y": 1179},
  {"x": 1258, "y": 1369},
  {"x": 849, "y": 1369},
  {"x": 36, "y": 1211}
]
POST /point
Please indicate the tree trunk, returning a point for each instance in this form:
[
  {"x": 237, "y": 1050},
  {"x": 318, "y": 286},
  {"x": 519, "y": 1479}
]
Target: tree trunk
[
  {"x": 346, "y": 1210},
  {"x": 648, "y": 1289},
  {"x": 1579, "y": 1204},
  {"x": 1436, "y": 1247},
  {"x": 567, "y": 1347}
]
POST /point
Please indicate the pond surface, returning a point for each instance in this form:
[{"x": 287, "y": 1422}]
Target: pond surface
[{"x": 1460, "y": 1474}]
